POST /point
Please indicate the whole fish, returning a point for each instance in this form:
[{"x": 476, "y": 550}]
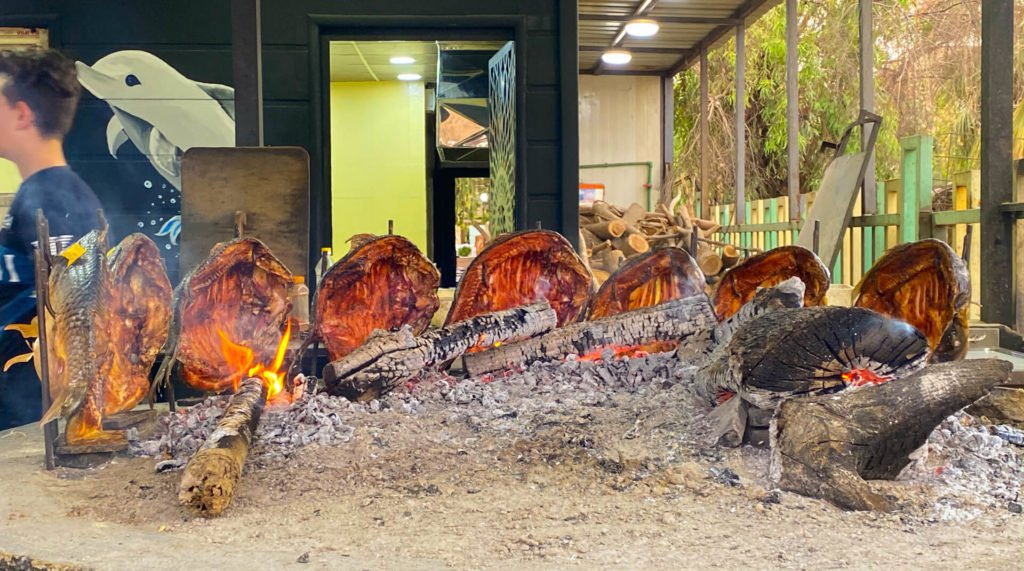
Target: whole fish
[{"x": 109, "y": 319}]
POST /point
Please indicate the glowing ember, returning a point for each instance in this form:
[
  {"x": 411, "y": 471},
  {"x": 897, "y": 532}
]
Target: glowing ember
[
  {"x": 861, "y": 377},
  {"x": 631, "y": 351},
  {"x": 240, "y": 358}
]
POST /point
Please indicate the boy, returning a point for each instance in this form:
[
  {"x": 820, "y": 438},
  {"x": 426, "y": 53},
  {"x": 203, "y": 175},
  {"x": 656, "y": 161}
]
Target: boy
[{"x": 39, "y": 92}]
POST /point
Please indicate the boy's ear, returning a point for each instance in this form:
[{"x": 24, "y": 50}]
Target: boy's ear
[{"x": 24, "y": 118}]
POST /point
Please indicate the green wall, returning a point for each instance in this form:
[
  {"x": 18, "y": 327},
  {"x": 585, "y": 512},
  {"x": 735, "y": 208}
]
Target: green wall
[
  {"x": 10, "y": 180},
  {"x": 378, "y": 160}
]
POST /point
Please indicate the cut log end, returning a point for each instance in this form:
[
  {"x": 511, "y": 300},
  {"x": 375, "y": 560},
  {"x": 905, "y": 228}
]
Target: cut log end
[{"x": 827, "y": 446}]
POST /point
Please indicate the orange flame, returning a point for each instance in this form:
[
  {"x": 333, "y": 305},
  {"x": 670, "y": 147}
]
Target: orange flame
[{"x": 240, "y": 358}]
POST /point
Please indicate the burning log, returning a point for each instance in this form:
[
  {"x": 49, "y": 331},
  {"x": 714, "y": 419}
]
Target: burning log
[
  {"x": 816, "y": 350},
  {"x": 520, "y": 269},
  {"x": 211, "y": 475},
  {"x": 827, "y": 446},
  {"x": 383, "y": 283},
  {"x": 738, "y": 285},
  {"x": 927, "y": 285},
  {"x": 647, "y": 280},
  {"x": 388, "y": 359},
  {"x": 676, "y": 320}
]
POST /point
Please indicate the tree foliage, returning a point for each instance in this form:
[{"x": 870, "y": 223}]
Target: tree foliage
[{"x": 927, "y": 81}]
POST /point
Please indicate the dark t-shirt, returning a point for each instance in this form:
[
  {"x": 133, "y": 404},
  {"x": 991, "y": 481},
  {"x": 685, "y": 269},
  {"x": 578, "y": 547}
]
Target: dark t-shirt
[{"x": 70, "y": 208}]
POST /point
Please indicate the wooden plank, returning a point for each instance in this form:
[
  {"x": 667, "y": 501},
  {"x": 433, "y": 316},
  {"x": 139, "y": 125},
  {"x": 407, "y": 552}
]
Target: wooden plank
[
  {"x": 773, "y": 217},
  {"x": 953, "y": 217},
  {"x": 875, "y": 220},
  {"x": 878, "y": 248},
  {"x": 270, "y": 184}
]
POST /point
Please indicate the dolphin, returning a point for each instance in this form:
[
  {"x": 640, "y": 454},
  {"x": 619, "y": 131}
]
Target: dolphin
[{"x": 162, "y": 112}]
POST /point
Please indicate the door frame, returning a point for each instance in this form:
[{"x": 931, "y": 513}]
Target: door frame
[{"x": 324, "y": 29}]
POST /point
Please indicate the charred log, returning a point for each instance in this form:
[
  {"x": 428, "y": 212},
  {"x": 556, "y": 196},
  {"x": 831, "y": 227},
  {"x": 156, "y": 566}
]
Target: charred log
[
  {"x": 383, "y": 283},
  {"x": 789, "y": 293},
  {"x": 211, "y": 475},
  {"x": 926, "y": 284},
  {"x": 817, "y": 350},
  {"x": 677, "y": 320},
  {"x": 740, "y": 283},
  {"x": 523, "y": 268},
  {"x": 388, "y": 359},
  {"x": 827, "y": 447}
]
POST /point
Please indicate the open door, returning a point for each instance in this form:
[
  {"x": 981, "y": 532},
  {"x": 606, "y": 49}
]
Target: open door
[{"x": 501, "y": 102}]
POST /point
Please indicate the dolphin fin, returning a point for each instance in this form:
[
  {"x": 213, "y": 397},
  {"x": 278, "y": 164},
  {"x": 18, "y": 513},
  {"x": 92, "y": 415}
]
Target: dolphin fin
[
  {"x": 115, "y": 136},
  {"x": 222, "y": 94}
]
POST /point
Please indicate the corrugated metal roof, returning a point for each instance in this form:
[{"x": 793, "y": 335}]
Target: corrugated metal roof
[{"x": 686, "y": 27}]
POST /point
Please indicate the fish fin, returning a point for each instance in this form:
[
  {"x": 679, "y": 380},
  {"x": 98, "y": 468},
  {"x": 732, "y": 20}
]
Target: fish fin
[
  {"x": 26, "y": 329},
  {"x": 67, "y": 403},
  {"x": 116, "y": 135},
  {"x": 23, "y": 358},
  {"x": 222, "y": 94}
]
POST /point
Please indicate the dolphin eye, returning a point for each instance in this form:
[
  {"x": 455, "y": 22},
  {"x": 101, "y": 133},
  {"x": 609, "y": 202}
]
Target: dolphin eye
[{"x": 131, "y": 80}]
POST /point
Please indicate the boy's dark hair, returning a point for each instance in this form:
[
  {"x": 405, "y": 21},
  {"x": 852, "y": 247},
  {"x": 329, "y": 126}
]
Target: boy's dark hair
[{"x": 47, "y": 82}]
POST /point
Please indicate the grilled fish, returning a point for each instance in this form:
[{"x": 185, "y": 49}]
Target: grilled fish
[
  {"x": 384, "y": 282},
  {"x": 767, "y": 269},
  {"x": 926, "y": 284},
  {"x": 240, "y": 290},
  {"x": 109, "y": 321},
  {"x": 522, "y": 268}
]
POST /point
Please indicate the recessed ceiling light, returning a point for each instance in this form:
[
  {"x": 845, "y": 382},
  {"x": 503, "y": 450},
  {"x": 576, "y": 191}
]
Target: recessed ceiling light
[
  {"x": 410, "y": 76},
  {"x": 616, "y": 57},
  {"x": 642, "y": 27},
  {"x": 402, "y": 60}
]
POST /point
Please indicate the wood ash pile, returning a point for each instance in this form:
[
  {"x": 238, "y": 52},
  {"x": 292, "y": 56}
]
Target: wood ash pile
[{"x": 967, "y": 467}]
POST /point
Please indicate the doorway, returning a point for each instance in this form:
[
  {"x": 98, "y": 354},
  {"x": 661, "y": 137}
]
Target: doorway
[{"x": 406, "y": 118}]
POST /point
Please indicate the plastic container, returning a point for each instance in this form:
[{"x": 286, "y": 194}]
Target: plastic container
[
  {"x": 300, "y": 303},
  {"x": 326, "y": 261}
]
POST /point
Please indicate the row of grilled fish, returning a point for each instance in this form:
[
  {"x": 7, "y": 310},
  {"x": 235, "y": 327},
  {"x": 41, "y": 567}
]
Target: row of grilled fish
[{"x": 113, "y": 313}]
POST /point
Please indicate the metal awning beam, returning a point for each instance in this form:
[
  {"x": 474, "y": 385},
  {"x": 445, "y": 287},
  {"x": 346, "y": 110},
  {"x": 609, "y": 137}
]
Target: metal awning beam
[
  {"x": 662, "y": 19},
  {"x": 640, "y": 50},
  {"x": 745, "y": 9}
]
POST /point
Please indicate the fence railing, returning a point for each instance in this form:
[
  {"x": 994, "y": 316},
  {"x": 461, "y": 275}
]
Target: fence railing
[{"x": 905, "y": 214}]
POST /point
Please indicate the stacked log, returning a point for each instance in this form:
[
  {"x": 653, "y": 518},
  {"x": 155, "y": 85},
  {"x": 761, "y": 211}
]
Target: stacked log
[{"x": 612, "y": 235}]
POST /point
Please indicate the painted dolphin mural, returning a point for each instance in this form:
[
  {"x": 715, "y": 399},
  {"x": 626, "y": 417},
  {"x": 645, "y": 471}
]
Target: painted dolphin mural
[{"x": 162, "y": 112}]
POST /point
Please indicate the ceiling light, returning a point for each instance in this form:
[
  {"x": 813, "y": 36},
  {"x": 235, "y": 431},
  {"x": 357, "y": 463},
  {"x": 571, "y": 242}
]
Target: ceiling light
[
  {"x": 616, "y": 57},
  {"x": 402, "y": 60},
  {"x": 410, "y": 76},
  {"x": 642, "y": 27}
]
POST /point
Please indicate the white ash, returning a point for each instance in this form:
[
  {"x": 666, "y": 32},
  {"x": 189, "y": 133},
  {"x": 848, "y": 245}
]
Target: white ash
[{"x": 971, "y": 466}]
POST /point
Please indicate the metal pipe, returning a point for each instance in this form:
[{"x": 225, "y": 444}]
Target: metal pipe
[
  {"x": 792, "y": 112},
  {"x": 650, "y": 173},
  {"x": 740, "y": 123},
  {"x": 996, "y": 161},
  {"x": 867, "y": 102}
]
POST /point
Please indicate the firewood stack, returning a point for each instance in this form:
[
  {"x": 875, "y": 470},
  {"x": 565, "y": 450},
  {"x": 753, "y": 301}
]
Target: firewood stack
[{"x": 612, "y": 235}]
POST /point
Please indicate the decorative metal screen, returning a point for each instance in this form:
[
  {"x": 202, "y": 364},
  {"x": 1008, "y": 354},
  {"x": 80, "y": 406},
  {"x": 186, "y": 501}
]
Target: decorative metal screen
[{"x": 501, "y": 71}]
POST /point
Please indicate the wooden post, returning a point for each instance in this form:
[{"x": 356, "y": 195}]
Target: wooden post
[
  {"x": 739, "y": 122},
  {"x": 916, "y": 187},
  {"x": 996, "y": 161}
]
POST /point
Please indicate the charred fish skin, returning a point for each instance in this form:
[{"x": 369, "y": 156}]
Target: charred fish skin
[{"x": 80, "y": 350}]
